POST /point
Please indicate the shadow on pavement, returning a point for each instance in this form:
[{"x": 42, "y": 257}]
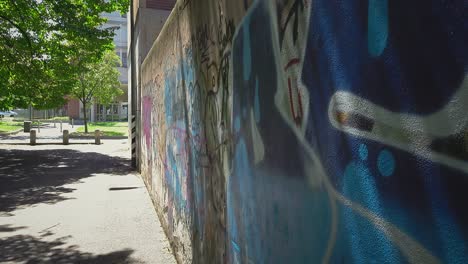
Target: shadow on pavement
[
  {"x": 30, "y": 249},
  {"x": 123, "y": 188},
  {"x": 8, "y": 228},
  {"x": 30, "y": 177},
  {"x": 18, "y": 136}
]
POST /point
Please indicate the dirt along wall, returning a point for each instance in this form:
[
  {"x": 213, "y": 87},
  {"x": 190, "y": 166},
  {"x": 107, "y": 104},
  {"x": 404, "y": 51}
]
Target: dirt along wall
[{"x": 298, "y": 131}]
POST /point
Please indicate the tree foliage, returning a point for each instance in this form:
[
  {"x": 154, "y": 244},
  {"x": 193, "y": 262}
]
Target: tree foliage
[
  {"x": 99, "y": 83},
  {"x": 44, "y": 45}
]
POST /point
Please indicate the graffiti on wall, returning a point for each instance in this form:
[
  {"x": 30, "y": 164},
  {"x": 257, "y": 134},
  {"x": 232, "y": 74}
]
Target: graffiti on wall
[
  {"x": 375, "y": 140},
  {"x": 304, "y": 131},
  {"x": 191, "y": 114},
  {"x": 147, "y": 103}
]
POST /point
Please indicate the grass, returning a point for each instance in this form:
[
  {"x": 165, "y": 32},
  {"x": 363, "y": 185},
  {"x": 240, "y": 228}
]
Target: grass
[
  {"x": 21, "y": 121},
  {"x": 6, "y": 126},
  {"x": 62, "y": 118},
  {"x": 57, "y": 118},
  {"x": 106, "y": 128}
]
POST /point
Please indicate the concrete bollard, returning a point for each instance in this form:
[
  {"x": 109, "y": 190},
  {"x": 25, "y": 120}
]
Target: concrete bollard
[
  {"x": 97, "y": 137},
  {"x": 66, "y": 137},
  {"x": 32, "y": 137}
]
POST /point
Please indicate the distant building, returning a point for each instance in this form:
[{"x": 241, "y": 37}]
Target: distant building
[{"x": 118, "y": 110}]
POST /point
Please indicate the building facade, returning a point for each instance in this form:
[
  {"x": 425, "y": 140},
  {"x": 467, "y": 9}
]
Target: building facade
[{"x": 118, "y": 110}]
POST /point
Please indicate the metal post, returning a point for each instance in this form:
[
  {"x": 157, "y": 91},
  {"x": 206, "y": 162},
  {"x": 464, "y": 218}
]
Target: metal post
[
  {"x": 55, "y": 123},
  {"x": 97, "y": 137},
  {"x": 38, "y": 126},
  {"x": 60, "y": 125},
  {"x": 32, "y": 137},
  {"x": 133, "y": 87},
  {"x": 72, "y": 123},
  {"x": 30, "y": 113}
]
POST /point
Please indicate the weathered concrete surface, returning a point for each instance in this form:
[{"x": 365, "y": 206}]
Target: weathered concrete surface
[
  {"x": 76, "y": 204},
  {"x": 298, "y": 131}
]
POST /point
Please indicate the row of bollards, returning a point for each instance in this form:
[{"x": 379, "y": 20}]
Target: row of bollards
[{"x": 66, "y": 137}]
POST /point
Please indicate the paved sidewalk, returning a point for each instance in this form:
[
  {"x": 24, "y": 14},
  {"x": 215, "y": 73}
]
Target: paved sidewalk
[
  {"x": 79, "y": 203},
  {"x": 46, "y": 133}
]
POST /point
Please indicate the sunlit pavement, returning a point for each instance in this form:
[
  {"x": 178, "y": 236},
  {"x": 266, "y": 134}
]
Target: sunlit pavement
[
  {"x": 50, "y": 133},
  {"x": 79, "y": 203}
]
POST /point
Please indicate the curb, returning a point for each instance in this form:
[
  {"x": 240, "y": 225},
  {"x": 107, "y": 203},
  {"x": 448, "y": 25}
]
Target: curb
[
  {"x": 11, "y": 132},
  {"x": 102, "y": 137}
]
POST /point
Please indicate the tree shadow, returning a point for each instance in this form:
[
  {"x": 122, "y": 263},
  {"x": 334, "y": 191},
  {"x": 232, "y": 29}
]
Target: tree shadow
[
  {"x": 9, "y": 228},
  {"x": 17, "y": 136},
  {"x": 29, "y": 249},
  {"x": 30, "y": 177}
]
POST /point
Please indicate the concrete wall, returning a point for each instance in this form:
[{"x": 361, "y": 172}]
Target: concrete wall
[
  {"x": 150, "y": 23},
  {"x": 297, "y": 131},
  {"x": 160, "y": 4}
]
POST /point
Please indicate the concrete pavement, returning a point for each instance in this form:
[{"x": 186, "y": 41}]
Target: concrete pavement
[
  {"x": 47, "y": 133},
  {"x": 79, "y": 203}
]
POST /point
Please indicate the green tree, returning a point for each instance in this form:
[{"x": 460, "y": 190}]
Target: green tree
[
  {"x": 42, "y": 44},
  {"x": 98, "y": 82}
]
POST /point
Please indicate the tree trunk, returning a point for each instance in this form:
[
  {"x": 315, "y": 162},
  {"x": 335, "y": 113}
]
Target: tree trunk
[{"x": 84, "y": 117}]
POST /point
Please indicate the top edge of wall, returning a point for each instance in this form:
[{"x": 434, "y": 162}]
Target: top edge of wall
[{"x": 173, "y": 15}]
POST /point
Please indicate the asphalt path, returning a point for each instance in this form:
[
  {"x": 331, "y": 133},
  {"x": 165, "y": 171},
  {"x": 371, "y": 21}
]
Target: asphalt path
[{"x": 77, "y": 203}]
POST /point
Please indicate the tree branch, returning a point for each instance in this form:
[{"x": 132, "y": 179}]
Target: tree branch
[{"x": 21, "y": 30}]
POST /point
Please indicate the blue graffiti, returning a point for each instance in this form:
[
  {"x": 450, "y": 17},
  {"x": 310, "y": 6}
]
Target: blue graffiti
[
  {"x": 367, "y": 242},
  {"x": 266, "y": 212},
  {"x": 363, "y": 152},
  {"x": 176, "y": 164},
  {"x": 257, "y": 103},
  {"x": 247, "y": 55},
  {"x": 377, "y": 29},
  {"x": 386, "y": 163},
  {"x": 405, "y": 58}
]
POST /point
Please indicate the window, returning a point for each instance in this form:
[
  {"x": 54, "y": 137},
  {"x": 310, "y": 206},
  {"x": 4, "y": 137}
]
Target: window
[
  {"x": 124, "y": 59},
  {"x": 124, "y": 35}
]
